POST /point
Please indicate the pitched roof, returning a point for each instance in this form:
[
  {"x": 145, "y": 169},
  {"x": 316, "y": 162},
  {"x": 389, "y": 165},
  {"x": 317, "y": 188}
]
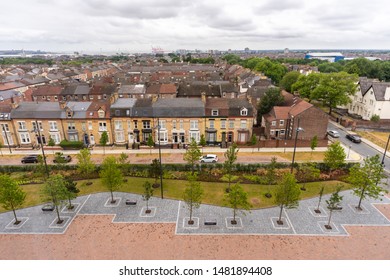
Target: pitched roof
[
  {"x": 47, "y": 90},
  {"x": 168, "y": 88},
  {"x": 36, "y": 110},
  {"x": 299, "y": 107},
  {"x": 177, "y": 107}
]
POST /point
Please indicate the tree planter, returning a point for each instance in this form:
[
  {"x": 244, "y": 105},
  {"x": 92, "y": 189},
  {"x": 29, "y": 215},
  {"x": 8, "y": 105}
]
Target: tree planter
[
  {"x": 191, "y": 222},
  {"x": 233, "y": 222},
  {"x": 328, "y": 227},
  {"x": 113, "y": 201},
  {"x": 89, "y": 183},
  {"x": 60, "y": 222},
  {"x": 70, "y": 207},
  {"x": 148, "y": 211},
  {"x": 279, "y": 222},
  {"x": 17, "y": 222},
  {"x": 317, "y": 211},
  {"x": 359, "y": 208}
]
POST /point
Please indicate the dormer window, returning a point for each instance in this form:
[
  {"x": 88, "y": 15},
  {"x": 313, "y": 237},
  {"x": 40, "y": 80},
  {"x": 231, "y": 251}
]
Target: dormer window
[
  {"x": 244, "y": 112},
  {"x": 101, "y": 113},
  {"x": 214, "y": 112}
]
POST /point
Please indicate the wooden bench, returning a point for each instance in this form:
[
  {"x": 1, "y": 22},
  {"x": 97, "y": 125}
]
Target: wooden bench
[
  {"x": 131, "y": 202},
  {"x": 210, "y": 222}
]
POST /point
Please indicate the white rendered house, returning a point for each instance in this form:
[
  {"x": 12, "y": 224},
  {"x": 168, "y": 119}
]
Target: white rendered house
[{"x": 371, "y": 98}]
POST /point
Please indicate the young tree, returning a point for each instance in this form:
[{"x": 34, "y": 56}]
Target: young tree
[
  {"x": 123, "y": 161},
  {"x": 103, "y": 141},
  {"x": 319, "y": 200},
  {"x": 111, "y": 175},
  {"x": 202, "y": 141},
  {"x": 150, "y": 144},
  {"x": 271, "y": 172},
  {"x": 85, "y": 164},
  {"x": 55, "y": 190},
  {"x": 192, "y": 155},
  {"x": 287, "y": 194},
  {"x": 51, "y": 143},
  {"x": 366, "y": 179},
  {"x": 11, "y": 195},
  {"x": 72, "y": 190},
  {"x": 155, "y": 171},
  {"x": 313, "y": 144},
  {"x": 228, "y": 166},
  {"x": 333, "y": 204},
  {"x": 237, "y": 199},
  {"x": 148, "y": 193},
  {"x": 192, "y": 194},
  {"x": 334, "y": 156},
  {"x": 253, "y": 141}
]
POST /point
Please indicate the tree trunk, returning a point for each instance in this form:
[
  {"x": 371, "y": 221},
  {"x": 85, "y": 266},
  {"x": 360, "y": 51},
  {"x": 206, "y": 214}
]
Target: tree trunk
[
  {"x": 58, "y": 215},
  {"x": 280, "y": 214},
  {"x": 191, "y": 212},
  {"x": 16, "y": 219},
  {"x": 330, "y": 216},
  {"x": 234, "y": 215},
  {"x": 360, "y": 200},
  {"x": 147, "y": 204},
  {"x": 319, "y": 202},
  {"x": 70, "y": 204},
  {"x": 112, "y": 198}
]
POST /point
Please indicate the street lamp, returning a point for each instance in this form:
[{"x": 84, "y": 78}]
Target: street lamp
[
  {"x": 159, "y": 155},
  {"x": 384, "y": 153},
  {"x": 6, "y": 138},
  {"x": 298, "y": 129},
  {"x": 43, "y": 151},
  {"x": 349, "y": 149}
]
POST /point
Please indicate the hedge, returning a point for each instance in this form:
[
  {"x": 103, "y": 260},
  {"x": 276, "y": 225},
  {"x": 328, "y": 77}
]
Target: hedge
[{"x": 71, "y": 144}]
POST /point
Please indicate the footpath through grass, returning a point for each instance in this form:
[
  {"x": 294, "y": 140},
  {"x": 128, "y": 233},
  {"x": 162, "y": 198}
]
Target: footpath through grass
[{"x": 173, "y": 189}]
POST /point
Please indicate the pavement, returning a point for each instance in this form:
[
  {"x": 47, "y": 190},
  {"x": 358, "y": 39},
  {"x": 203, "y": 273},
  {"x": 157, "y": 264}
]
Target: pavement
[{"x": 300, "y": 221}]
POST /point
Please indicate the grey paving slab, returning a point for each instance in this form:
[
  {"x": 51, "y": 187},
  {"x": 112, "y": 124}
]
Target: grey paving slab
[
  {"x": 36, "y": 221},
  {"x": 300, "y": 221}
]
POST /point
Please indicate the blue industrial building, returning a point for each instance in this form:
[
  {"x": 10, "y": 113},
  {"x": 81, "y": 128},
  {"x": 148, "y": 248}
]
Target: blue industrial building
[{"x": 331, "y": 56}]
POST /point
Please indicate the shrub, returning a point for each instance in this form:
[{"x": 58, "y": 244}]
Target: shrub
[
  {"x": 71, "y": 144},
  {"x": 375, "y": 118}
]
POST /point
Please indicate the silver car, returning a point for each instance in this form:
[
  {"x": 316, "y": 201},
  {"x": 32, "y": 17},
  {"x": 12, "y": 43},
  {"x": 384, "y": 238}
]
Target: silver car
[
  {"x": 209, "y": 158},
  {"x": 333, "y": 133}
]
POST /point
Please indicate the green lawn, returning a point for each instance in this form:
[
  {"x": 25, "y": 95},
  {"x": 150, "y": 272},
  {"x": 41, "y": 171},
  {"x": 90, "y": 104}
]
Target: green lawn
[{"x": 213, "y": 192}]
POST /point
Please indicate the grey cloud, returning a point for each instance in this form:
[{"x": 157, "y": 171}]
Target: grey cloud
[
  {"x": 279, "y": 6},
  {"x": 137, "y": 9}
]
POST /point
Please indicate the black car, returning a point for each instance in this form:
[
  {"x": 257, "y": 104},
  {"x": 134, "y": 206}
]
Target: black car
[
  {"x": 64, "y": 158},
  {"x": 48, "y": 207},
  {"x": 30, "y": 159},
  {"x": 354, "y": 138}
]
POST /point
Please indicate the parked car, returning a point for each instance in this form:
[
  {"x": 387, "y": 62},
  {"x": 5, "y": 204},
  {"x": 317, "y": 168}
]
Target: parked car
[
  {"x": 30, "y": 159},
  {"x": 65, "y": 158},
  {"x": 48, "y": 207},
  {"x": 334, "y": 133},
  {"x": 354, "y": 138},
  {"x": 209, "y": 158}
]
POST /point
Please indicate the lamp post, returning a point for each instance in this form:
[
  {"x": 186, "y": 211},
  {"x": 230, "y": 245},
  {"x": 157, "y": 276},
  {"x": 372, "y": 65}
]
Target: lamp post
[
  {"x": 159, "y": 156},
  {"x": 43, "y": 151},
  {"x": 384, "y": 153},
  {"x": 298, "y": 129},
  {"x": 6, "y": 138}
]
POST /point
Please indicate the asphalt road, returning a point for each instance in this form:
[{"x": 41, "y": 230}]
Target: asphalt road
[{"x": 362, "y": 148}]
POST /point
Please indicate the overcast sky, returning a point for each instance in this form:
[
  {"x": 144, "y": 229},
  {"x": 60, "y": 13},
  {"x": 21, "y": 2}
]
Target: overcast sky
[{"x": 137, "y": 25}]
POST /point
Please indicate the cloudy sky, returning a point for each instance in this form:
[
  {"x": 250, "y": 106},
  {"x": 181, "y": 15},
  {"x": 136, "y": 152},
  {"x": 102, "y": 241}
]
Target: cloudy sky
[{"x": 137, "y": 25}]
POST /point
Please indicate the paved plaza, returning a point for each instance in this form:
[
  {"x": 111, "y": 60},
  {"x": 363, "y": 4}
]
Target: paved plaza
[{"x": 300, "y": 221}]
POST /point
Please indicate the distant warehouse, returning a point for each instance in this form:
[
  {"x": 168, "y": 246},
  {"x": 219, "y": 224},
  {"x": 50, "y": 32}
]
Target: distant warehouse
[{"x": 331, "y": 56}]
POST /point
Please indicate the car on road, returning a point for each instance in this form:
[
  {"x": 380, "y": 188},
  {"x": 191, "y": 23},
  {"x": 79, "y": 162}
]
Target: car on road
[
  {"x": 209, "y": 158},
  {"x": 354, "y": 138},
  {"x": 30, "y": 159},
  {"x": 64, "y": 158},
  {"x": 48, "y": 207},
  {"x": 333, "y": 133}
]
